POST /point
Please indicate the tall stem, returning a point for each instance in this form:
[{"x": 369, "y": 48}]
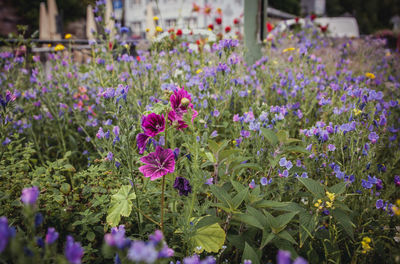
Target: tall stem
[{"x": 163, "y": 183}]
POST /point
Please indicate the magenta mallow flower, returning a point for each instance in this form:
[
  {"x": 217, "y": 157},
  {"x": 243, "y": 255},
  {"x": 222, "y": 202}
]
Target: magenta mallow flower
[
  {"x": 152, "y": 125},
  {"x": 180, "y": 102},
  {"x": 158, "y": 163},
  {"x": 73, "y": 251},
  {"x": 30, "y": 195}
]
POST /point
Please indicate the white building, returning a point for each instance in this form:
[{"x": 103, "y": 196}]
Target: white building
[{"x": 179, "y": 13}]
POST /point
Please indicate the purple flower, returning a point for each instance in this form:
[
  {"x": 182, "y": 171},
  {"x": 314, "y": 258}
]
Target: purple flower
[
  {"x": 300, "y": 260},
  {"x": 166, "y": 252},
  {"x": 183, "y": 186},
  {"x": 158, "y": 163},
  {"x": 264, "y": 181},
  {"x": 141, "y": 141},
  {"x": 6, "y": 141},
  {"x": 379, "y": 204},
  {"x": 117, "y": 237},
  {"x": 214, "y": 134},
  {"x": 252, "y": 184},
  {"x": 157, "y": 237},
  {"x": 142, "y": 252},
  {"x": 30, "y": 195},
  {"x": 397, "y": 180},
  {"x": 282, "y": 162},
  {"x": 153, "y": 124},
  {"x": 331, "y": 147},
  {"x": 373, "y": 137},
  {"x": 180, "y": 102},
  {"x": 116, "y": 131},
  {"x": 247, "y": 261},
  {"x": 283, "y": 257},
  {"x": 73, "y": 251},
  {"x": 110, "y": 156},
  {"x": 6, "y": 233},
  {"x": 51, "y": 236}
]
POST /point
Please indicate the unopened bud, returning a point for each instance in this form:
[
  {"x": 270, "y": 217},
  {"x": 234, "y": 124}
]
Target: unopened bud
[{"x": 185, "y": 101}]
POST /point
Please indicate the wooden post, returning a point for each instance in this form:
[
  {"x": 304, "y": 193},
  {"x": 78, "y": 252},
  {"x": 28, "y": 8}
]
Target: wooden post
[
  {"x": 255, "y": 12},
  {"x": 52, "y": 19},
  {"x": 90, "y": 23},
  {"x": 44, "y": 31}
]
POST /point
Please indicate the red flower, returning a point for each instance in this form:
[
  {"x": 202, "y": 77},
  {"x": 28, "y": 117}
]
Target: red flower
[
  {"x": 297, "y": 19},
  {"x": 236, "y": 21},
  {"x": 179, "y": 32},
  {"x": 218, "y": 20},
  {"x": 324, "y": 28},
  {"x": 110, "y": 45},
  {"x": 211, "y": 26},
  {"x": 227, "y": 29},
  {"x": 171, "y": 30},
  {"x": 207, "y": 10},
  {"x": 138, "y": 58},
  {"x": 270, "y": 27},
  {"x": 313, "y": 16},
  {"x": 195, "y": 8}
]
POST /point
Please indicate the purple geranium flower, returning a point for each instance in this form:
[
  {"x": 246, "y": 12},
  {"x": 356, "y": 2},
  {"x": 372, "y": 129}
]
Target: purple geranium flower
[
  {"x": 51, "y": 236},
  {"x": 142, "y": 252},
  {"x": 379, "y": 204},
  {"x": 30, "y": 195},
  {"x": 153, "y": 124},
  {"x": 373, "y": 137},
  {"x": 73, "y": 251},
  {"x": 183, "y": 186},
  {"x": 158, "y": 163}
]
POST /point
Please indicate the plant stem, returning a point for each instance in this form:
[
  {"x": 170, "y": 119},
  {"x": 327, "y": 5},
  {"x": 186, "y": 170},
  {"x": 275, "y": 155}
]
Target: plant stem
[
  {"x": 145, "y": 215},
  {"x": 162, "y": 204}
]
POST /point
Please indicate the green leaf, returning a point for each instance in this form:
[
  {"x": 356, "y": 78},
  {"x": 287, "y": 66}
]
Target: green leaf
[
  {"x": 250, "y": 254},
  {"x": 267, "y": 237},
  {"x": 307, "y": 226},
  {"x": 313, "y": 186},
  {"x": 210, "y": 238},
  {"x": 285, "y": 235},
  {"x": 239, "y": 198},
  {"x": 207, "y": 220},
  {"x": 249, "y": 220},
  {"x": 253, "y": 166},
  {"x": 257, "y": 214},
  {"x": 221, "y": 195},
  {"x": 238, "y": 186},
  {"x": 270, "y": 136},
  {"x": 121, "y": 205},
  {"x": 211, "y": 157},
  {"x": 282, "y": 136},
  {"x": 90, "y": 236},
  {"x": 344, "y": 221},
  {"x": 271, "y": 221},
  {"x": 284, "y": 219},
  {"x": 338, "y": 188},
  {"x": 296, "y": 149}
]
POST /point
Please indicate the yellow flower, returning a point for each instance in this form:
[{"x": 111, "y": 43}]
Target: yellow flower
[
  {"x": 329, "y": 204},
  {"x": 59, "y": 47},
  {"x": 147, "y": 29},
  {"x": 331, "y": 196},
  {"x": 388, "y": 54},
  {"x": 367, "y": 240},
  {"x": 318, "y": 203},
  {"x": 199, "y": 71},
  {"x": 49, "y": 45},
  {"x": 288, "y": 49},
  {"x": 370, "y": 75},
  {"x": 234, "y": 142},
  {"x": 357, "y": 111},
  {"x": 155, "y": 18},
  {"x": 68, "y": 36},
  {"x": 159, "y": 29}
]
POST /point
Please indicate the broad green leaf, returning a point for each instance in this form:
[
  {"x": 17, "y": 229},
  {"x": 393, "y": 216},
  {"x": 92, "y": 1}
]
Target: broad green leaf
[
  {"x": 121, "y": 205},
  {"x": 239, "y": 198},
  {"x": 238, "y": 186},
  {"x": 267, "y": 237},
  {"x": 344, "y": 220},
  {"x": 338, "y": 188},
  {"x": 213, "y": 145},
  {"x": 207, "y": 220},
  {"x": 221, "y": 195},
  {"x": 249, "y": 220},
  {"x": 210, "y": 238},
  {"x": 282, "y": 136},
  {"x": 270, "y": 136},
  {"x": 250, "y": 254},
  {"x": 307, "y": 226},
  {"x": 211, "y": 157},
  {"x": 271, "y": 221},
  {"x": 313, "y": 186},
  {"x": 253, "y": 166},
  {"x": 257, "y": 214},
  {"x": 284, "y": 219},
  {"x": 285, "y": 235}
]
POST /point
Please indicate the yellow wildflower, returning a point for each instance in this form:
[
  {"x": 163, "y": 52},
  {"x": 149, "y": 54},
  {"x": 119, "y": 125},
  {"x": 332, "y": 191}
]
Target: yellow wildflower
[
  {"x": 147, "y": 29},
  {"x": 59, "y": 47},
  {"x": 159, "y": 29},
  {"x": 288, "y": 49},
  {"x": 318, "y": 203},
  {"x": 68, "y": 36},
  {"x": 370, "y": 75},
  {"x": 155, "y": 18},
  {"x": 357, "y": 111},
  {"x": 331, "y": 196},
  {"x": 49, "y": 45},
  {"x": 329, "y": 204},
  {"x": 199, "y": 71},
  {"x": 365, "y": 244}
]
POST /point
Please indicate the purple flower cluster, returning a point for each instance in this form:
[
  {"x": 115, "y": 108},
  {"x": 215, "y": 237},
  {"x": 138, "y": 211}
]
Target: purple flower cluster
[{"x": 183, "y": 186}]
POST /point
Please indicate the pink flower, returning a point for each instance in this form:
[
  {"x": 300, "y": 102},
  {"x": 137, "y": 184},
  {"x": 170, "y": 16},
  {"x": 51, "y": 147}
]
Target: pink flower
[
  {"x": 153, "y": 124},
  {"x": 158, "y": 163},
  {"x": 180, "y": 103}
]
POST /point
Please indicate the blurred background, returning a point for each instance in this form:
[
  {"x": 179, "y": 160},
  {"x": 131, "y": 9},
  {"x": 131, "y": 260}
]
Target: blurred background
[{"x": 373, "y": 16}]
